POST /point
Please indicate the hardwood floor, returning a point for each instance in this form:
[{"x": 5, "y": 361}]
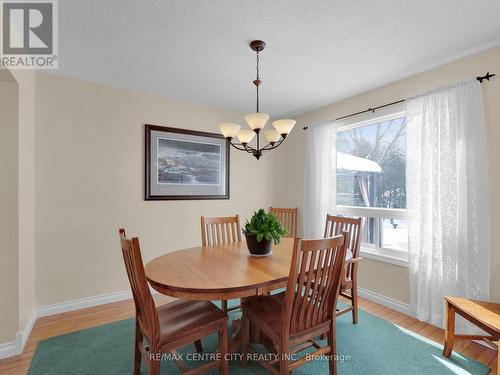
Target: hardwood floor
[{"x": 76, "y": 320}]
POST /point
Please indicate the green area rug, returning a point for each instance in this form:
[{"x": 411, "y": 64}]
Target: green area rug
[{"x": 373, "y": 346}]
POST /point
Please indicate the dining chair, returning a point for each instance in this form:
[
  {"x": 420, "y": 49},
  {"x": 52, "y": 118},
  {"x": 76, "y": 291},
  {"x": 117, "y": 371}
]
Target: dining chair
[
  {"x": 172, "y": 325},
  {"x": 349, "y": 290},
  {"x": 218, "y": 231},
  {"x": 288, "y": 218},
  {"x": 293, "y": 319}
]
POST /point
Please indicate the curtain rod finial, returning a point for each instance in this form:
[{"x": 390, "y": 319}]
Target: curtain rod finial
[{"x": 485, "y": 77}]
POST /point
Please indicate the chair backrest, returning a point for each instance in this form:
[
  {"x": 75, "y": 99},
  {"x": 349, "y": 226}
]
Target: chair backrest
[
  {"x": 314, "y": 282},
  {"x": 288, "y": 218},
  {"x": 336, "y": 225},
  {"x": 220, "y": 230},
  {"x": 145, "y": 309}
]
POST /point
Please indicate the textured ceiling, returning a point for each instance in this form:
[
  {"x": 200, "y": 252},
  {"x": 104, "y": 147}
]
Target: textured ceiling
[{"x": 317, "y": 51}]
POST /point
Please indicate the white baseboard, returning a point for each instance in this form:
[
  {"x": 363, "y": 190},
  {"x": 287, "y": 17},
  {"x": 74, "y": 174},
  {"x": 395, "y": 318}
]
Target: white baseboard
[
  {"x": 8, "y": 349},
  {"x": 16, "y": 347},
  {"x": 23, "y": 336},
  {"x": 386, "y": 301},
  {"x": 81, "y": 303}
]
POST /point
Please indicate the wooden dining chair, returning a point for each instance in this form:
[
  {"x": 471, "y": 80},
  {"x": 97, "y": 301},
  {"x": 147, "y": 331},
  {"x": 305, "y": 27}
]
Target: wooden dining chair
[
  {"x": 218, "y": 231},
  {"x": 293, "y": 319},
  {"x": 172, "y": 325},
  {"x": 334, "y": 226},
  {"x": 288, "y": 218}
]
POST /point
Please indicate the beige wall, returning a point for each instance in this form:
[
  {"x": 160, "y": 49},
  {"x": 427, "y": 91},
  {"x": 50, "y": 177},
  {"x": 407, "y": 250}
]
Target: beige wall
[
  {"x": 90, "y": 182},
  {"x": 9, "y": 207},
  {"x": 390, "y": 280}
]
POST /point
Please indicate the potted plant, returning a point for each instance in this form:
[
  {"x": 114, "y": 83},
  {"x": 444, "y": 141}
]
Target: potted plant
[{"x": 261, "y": 231}]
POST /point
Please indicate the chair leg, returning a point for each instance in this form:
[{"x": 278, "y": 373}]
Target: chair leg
[
  {"x": 332, "y": 342},
  {"x": 283, "y": 353},
  {"x": 223, "y": 367},
  {"x": 155, "y": 367},
  {"x": 154, "y": 364},
  {"x": 138, "y": 355},
  {"x": 354, "y": 296},
  {"x": 245, "y": 338},
  {"x": 199, "y": 347}
]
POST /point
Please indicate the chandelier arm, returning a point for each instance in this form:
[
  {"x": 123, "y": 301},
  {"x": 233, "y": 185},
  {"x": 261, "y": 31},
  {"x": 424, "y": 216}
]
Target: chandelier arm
[
  {"x": 235, "y": 145},
  {"x": 249, "y": 149},
  {"x": 269, "y": 146}
]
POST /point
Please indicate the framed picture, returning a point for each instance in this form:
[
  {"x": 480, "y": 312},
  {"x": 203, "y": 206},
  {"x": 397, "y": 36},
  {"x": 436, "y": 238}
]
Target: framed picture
[{"x": 185, "y": 164}]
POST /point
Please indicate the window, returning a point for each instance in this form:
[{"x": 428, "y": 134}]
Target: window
[{"x": 371, "y": 159}]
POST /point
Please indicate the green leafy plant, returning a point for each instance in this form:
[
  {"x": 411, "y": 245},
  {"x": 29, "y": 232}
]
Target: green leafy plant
[{"x": 264, "y": 225}]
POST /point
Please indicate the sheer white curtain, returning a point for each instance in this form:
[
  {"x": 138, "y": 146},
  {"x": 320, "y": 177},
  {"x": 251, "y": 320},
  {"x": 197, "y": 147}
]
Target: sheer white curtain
[
  {"x": 447, "y": 198},
  {"x": 319, "y": 178}
]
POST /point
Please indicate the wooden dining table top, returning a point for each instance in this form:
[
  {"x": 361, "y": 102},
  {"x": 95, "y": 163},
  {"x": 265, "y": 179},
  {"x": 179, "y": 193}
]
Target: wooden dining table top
[{"x": 220, "y": 272}]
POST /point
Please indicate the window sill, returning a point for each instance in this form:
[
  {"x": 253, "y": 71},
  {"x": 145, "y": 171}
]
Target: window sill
[{"x": 398, "y": 260}]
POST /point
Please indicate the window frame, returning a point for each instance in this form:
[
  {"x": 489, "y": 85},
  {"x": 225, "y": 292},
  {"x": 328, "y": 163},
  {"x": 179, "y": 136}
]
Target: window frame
[{"x": 374, "y": 251}]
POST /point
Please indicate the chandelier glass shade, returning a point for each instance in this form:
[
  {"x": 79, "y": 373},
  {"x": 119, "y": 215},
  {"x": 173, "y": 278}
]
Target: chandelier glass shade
[
  {"x": 256, "y": 122},
  {"x": 229, "y": 129}
]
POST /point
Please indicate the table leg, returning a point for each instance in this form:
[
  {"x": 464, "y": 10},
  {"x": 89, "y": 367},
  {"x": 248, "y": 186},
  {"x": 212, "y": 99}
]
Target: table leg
[
  {"x": 449, "y": 333},
  {"x": 235, "y": 339}
]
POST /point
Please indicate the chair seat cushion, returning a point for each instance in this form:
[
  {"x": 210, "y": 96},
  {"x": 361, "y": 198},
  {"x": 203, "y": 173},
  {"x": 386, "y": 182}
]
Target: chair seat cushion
[
  {"x": 183, "y": 317},
  {"x": 267, "y": 309}
]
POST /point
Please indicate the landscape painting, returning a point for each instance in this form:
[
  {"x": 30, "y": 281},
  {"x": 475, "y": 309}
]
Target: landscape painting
[{"x": 185, "y": 164}]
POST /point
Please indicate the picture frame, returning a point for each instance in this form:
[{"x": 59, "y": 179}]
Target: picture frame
[{"x": 182, "y": 164}]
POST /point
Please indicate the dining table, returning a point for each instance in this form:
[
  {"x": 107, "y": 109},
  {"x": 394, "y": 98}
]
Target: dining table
[{"x": 220, "y": 272}]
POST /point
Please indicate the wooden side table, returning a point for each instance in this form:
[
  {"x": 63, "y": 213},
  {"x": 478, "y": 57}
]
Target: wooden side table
[{"x": 485, "y": 315}]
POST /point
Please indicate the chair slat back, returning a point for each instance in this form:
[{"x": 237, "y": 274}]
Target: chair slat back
[
  {"x": 314, "y": 282},
  {"x": 146, "y": 313},
  {"x": 220, "y": 230},
  {"x": 335, "y": 225},
  {"x": 288, "y": 218}
]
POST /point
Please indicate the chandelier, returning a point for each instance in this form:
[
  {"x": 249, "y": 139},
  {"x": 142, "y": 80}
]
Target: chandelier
[{"x": 256, "y": 121}]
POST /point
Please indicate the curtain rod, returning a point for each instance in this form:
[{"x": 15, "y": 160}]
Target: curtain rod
[{"x": 487, "y": 77}]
